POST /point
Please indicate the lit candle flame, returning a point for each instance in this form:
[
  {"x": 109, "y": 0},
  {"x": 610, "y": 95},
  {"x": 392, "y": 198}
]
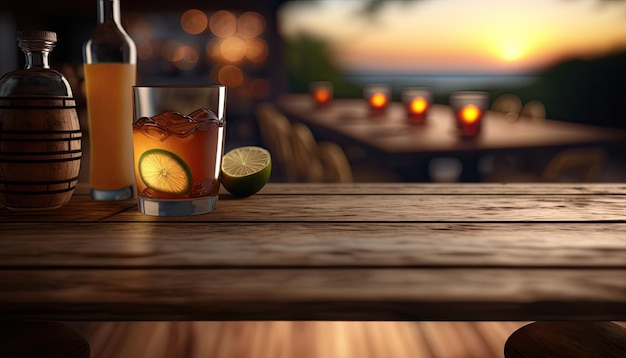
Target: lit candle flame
[
  {"x": 378, "y": 100},
  {"x": 418, "y": 105},
  {"x": 470, "y": 114},
  {"x": 321, "y": 96}
]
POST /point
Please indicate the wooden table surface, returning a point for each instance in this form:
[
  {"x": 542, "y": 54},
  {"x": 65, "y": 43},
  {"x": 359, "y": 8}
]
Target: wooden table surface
[
  {"x": 408, "y": 148},
  {"x": 392, "y": 134},
  {"x": 391, "y": 251}
]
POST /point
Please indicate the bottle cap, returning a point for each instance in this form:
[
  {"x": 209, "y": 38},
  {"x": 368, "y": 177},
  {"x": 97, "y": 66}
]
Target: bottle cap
[{"x": 49, "y": 36}]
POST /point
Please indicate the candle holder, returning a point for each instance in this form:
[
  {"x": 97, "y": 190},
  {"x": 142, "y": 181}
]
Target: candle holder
[
  {"x": 378, "y": 97},
  {"x": 321, "y": 92},
  {"x": 469, "y": 108},
  {"x": 417, "y": 102}
]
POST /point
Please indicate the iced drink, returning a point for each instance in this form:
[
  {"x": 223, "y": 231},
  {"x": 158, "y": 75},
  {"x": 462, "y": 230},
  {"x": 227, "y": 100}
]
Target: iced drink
[
  {"x": 178, "y": 137},
  {"x": 178, "y": 156}
]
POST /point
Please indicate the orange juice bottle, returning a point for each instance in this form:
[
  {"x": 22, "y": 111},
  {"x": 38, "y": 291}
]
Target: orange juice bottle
[{"x": 110, "y": 58}]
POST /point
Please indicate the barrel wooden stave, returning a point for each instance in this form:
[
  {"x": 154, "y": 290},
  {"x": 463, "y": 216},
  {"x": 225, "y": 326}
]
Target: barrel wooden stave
[{"x": 40, "y": 152}]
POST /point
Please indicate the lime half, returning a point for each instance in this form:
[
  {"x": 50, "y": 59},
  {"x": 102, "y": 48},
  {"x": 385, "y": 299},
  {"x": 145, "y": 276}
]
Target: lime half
[
  {"x": 246, "y": 170},
  {"x": 164, "y": 171}
]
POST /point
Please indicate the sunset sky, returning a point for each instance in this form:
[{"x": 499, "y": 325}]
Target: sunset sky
[{"x": 496, "y": 36}]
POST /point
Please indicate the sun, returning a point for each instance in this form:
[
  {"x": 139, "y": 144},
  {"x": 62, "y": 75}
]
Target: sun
[{"x": 511, "y": 52}]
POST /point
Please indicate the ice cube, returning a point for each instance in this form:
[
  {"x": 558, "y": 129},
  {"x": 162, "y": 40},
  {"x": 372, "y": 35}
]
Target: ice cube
[
  {"x": 202, "y": 114},
  {"x": 140, "y": 122},
  {"x": 153, "y": 131},
  {"x": 183, "y": 129},
  {"x": 166, "y": 119},
  {"x": 204, "y": 188},
  {"x": 208, "y": 125},
  {"x": 149, "y": 193}
]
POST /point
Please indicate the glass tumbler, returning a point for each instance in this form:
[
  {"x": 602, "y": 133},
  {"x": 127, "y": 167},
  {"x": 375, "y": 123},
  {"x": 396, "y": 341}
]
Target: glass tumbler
[{"x": 178, "y": 145}]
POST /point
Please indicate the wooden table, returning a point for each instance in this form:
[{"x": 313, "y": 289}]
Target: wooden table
[
  {"x": 394, "y": 140},
  {"x": 327, "y": 252}
]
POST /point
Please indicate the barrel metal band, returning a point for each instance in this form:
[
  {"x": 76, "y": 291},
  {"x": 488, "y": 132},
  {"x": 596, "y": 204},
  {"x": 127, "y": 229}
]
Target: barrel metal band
[
  {"x": 31, "y": 103},
  {"x": 55, "y": 160}
]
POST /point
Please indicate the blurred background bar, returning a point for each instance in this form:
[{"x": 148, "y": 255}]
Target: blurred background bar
[{"x": 565, "y": 58}]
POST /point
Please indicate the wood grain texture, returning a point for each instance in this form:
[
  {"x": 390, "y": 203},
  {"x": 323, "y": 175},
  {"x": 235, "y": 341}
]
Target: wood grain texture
[
  {"x": 80, "y": 209},
  {"x": 130, "y": 244},
  {"x": 444, "y": 189},
  {"x": 406, "y": 208},
  {"x": 255, "y": 339},
  {"x": 314, "y": 294},
  {"x": 327, "y": 252}
]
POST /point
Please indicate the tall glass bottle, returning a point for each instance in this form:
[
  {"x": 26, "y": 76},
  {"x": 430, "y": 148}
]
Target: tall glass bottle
[{"x": 110, "y": 66}]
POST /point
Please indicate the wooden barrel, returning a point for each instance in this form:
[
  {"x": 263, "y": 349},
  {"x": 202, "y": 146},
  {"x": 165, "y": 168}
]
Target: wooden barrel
[{"x": 40, "y": 152}]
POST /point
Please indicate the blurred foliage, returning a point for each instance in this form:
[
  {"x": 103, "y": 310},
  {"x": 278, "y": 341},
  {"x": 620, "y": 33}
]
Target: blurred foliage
[
  {"x": 584, "y": 90},
  {"x": 310, "y": 59}
]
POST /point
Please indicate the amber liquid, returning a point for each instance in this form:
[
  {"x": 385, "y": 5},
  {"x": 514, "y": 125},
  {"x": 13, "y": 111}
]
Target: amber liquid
[
  {"x": 201, "y": 150},
  {"x": 110, "y": 112}
]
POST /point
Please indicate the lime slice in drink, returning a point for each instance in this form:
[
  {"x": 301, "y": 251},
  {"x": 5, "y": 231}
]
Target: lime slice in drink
[
  {"x": 164, "y": 171},
  {"x": 246, "y": 170}
]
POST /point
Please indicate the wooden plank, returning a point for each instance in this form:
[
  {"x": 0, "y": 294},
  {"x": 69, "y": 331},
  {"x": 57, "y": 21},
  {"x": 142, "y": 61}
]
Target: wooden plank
[
  {"x": 405, "y": 208},
  {"x": 311, "y": 245},
  {"x": 326, "y": 294},
  {"x": 272, "y": 188},
  {"x": 80, "y": 208},
  {"x": 424, "y": 199},
  {"x": 364, "y": 207},
  {"x": 447, "y": 189}
]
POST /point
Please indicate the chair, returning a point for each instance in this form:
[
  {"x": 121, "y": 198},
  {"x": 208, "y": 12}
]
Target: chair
[
  {"x": 336, "y": 166},
  {"x": 575, "y": 165},
  {"x": 534, "y": 110},
  {"x": 266, "y": 114},
  {"x": 275, "y": 134},
  {"x": 305, "y": 154},
  {"x": 318, "y": 162},
  {"x": 509, "y": 104}
]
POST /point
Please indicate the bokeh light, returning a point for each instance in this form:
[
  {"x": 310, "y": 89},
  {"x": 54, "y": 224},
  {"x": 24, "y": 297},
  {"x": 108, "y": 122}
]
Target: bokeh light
[
  {"x": 139, "y": 28},
  {"x": 230, "y": 76},
  {"x": 145, "y": 51},
  {"x": 168, "y": 49},
  {"x": 418, "y": 105},
  {"x": 251, "y": 24},
  {"x": 257, "y": 50},
  {"x": 231, "y": 46},
  {"x": 186, "y": 57},
  {"x": 470, "y": 114},
  {"x": 233, "y": 49},
  {"x": 194, "y": 21},
  {"x": 212, "y": 49},
  {"x": 223, "y": 23},
  {"x": 378, "y": 100}
]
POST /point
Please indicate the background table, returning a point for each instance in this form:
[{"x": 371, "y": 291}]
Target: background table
[
  {"x": 397, "y": 142},
  {"x": 327, "y": 252}
]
